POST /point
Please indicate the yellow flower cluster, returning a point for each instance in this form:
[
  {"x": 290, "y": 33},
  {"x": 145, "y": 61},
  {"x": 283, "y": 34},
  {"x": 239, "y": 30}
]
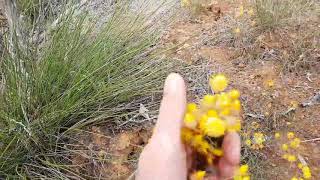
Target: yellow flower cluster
[
  {"x": 306, "y": 173},
  {"x": 242, "y": 173},
  {"x": 289, "y": 147},
  {"x": 218, "y": 113},
  {"x": 209, "y": 121},
  {"x": 289, "y": 150},
  {"x": 240, "y": 13},
  {"x": 257, "y": 142}
]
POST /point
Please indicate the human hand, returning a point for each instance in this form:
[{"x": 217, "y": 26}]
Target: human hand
[{"x": 165, "y": 157}]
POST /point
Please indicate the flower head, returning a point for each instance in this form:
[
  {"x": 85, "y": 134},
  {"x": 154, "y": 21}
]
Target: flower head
[
  {"x": 217, "y": 151},
  {"x": 242, "y": 173},
  {"x": 218, "y": 83},
  {"x": 295, "y": 143},
  {"x": 208, "y": 101},
  {"x": 234, "y": 94},
  {"x": 241, "y": 11},
  {"x": 248, "y": 142},
  {"x": 306, "y": 172},
  {"x": 284, "y": 147},
  {"x": 244, "y": 169},
  {"x": 192, "y": 107},
  {"x": 190, "y": 121},
  {"x": 290, "y": 135},
  {"x": 237, "y": 30},
  {"x": 236, "y": 105},
  {"x": 198, "y": 175},
  {"x": 214, "y": 127},
  {"x": 259, "y": 138},
  {"x": 291, "y": 158},
  {"x": 185, "y": 3},
  {"x": 212, "y": 113},
  {"x": 251, "y": 12}
]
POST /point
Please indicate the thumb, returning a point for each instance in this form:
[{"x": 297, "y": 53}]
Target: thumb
[
  {"x": 165, "y": 157},
  {"x": 172, "y": 108}
]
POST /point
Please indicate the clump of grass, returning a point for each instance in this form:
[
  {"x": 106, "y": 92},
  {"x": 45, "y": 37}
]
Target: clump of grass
[
  {"x": 278, "y": 13},
  {"x": 78, "y": 76},
  {"x": 196, "y": 7}
]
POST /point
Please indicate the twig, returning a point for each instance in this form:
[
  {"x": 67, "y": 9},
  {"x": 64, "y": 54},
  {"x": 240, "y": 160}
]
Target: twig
[
  {"x": 311, "y": 140},
  {"x": 313, "y": 100},
  {"x": 259, "y": 116},
  {"x": 302, "y": 160},
  {"x": 288, "y": 111}
]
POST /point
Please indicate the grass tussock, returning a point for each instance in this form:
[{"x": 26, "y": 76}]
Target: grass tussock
[
  {"x": 279, "y": 13},
  {"x": 77, "y": 76}
]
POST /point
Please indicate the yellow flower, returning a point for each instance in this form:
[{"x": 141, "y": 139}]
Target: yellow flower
[
  {"x": 241, "y": 11},
  {"x": 295, "y": 143},
  {"x": 243, "y": 170},
  {"x": 255, "y": 125},
  {"x": 258, "y": 138},
  {"x": 217, "y": 152},
  {"x": 185, "y": 3},
  {"x": 223, "y": 101},
  {"x": 294, "y": 104},
  {"x": 234, "y": 94},
  {"x": 237, "y": 30},
  {"x": 198, "y": 175},
  {"x": 191, "y": 107},
  {"x": 284, "y": 147},
  {"x": 190, "y": 121},
  {"x": 248, "y": 142},
  {"x": 203, "y": 147},
  {"x": 214, "y": 127},
  {"x": 251, "y": 12},
  {"x": 218, "y": 83},
  {"x": 285, "y": 156},
  {"x": 197, "y": 140},
  {"x": 292, "y": 158},
  {"x": 290, "y": 135},
  {"x": 300, "y": 166},
  {"x": 212, "y": 113},
  {"x": 294, "y": 178},
  {"x": 246, "y": 178},
  {"x": 208, "y": 101},
  {"x": 236, "y": 105},
  {"x": 270, "y": 83},
  {"x": 186, "y": 135},
  {"x": 277, "y": 135},
  {"x": 306, "y": 172},
  {"x": 203, "y": 121},
  {"x": 210, "y": 160},
  {"x": 225, "y": 112}
]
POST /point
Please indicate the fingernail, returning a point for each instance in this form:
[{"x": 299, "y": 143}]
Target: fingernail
[{"x": 172, "y": 83}]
